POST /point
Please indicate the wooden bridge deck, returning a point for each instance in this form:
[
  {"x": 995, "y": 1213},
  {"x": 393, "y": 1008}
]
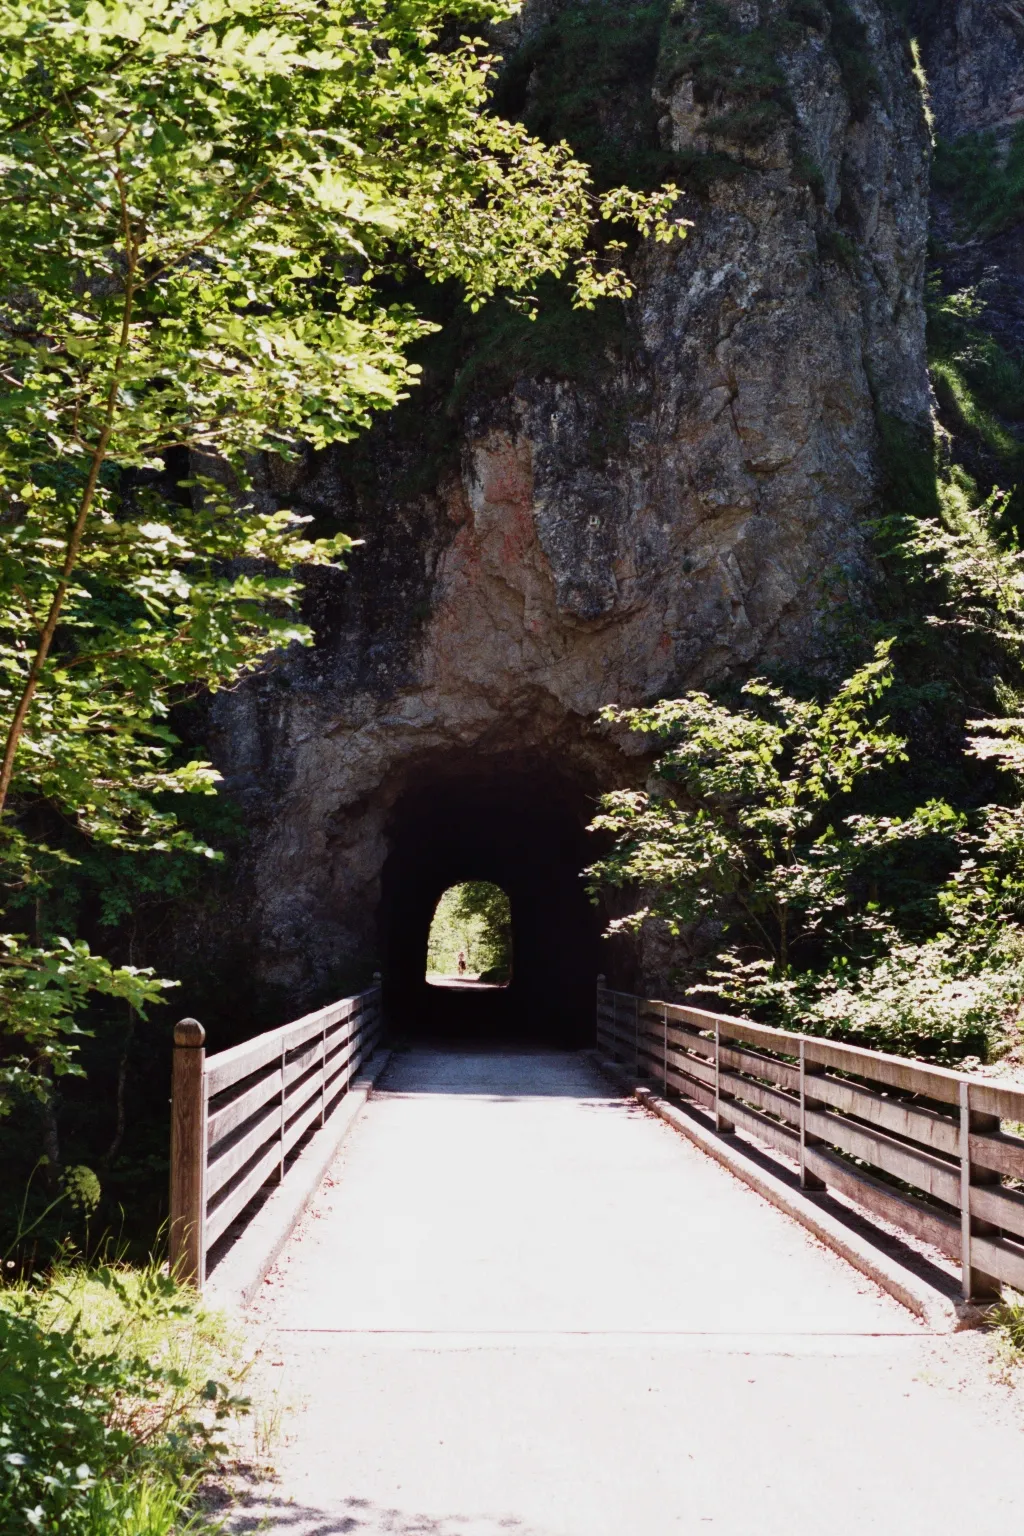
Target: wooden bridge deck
[{"x": 522, "y": 1306}]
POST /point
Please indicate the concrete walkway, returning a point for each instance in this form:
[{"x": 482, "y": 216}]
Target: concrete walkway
[{"x": 524, "y": 1306}]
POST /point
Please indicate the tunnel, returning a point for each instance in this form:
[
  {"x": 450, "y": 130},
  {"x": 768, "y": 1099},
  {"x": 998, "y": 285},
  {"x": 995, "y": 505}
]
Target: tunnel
[{"x": 522, "y": 826}]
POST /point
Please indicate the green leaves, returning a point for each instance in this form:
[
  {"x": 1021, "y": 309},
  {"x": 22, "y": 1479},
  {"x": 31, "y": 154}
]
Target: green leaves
[
  {"x": 107, "y": 1409},
  {"x": 746, "y": 836},
  {"x": 203, "y": 204},
  {"x": 738, "y": 825},
  {"x": 472, "y": 922},
  {"x": 42, "y": 989}
]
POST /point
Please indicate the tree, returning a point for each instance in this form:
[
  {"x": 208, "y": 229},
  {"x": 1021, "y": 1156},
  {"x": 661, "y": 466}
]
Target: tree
[
  {"x": 746, "y": 839},
  {"x": 741, "y": 827},
  {"x": 474, "y": 920},
  {"x": 202, "y": 206}
]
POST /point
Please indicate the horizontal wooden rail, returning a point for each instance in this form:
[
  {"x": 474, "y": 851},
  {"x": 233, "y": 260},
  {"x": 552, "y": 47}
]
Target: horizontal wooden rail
[
  {"x": 920, "y": 1146},
  {"x": 236, "y": 1116}
]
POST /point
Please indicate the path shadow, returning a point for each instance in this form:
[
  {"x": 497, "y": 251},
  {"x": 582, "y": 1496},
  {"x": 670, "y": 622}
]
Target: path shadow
[
  {"x": 942, "y": 1276},
  {"x": 497, "y": 1072},
  {"x": 361, "y": 1517}
]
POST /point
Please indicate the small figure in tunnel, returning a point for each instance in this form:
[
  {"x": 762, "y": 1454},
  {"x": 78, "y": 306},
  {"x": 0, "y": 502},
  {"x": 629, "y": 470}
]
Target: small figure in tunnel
[{"x": 462, "y": 962}]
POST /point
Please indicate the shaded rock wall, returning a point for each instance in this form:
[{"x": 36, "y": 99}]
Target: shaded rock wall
[
  {"x": 973, "y": 53},
  {"x": 690, "y": 506}
]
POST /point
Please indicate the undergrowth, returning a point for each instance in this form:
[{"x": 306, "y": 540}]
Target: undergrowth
[
  {"x": 115, "y": 1383},
  {"x": 1006, "y": 1320},
  {"x": 983, "y": 382}
]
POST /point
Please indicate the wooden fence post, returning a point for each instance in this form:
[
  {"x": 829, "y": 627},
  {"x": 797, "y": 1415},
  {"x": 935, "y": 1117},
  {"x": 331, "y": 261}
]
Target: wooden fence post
[
  {"x": 323, "y": 1075},
  {"x": 636, "y": 1037},
  {"x": 601, "y": 983},
  {"x": 808, "y": 1180},
  {"x": 664, "y": 1045},
  {"x": 284, "y": 1096},
  {"x": 974, "y": 1282},
  {"x": 726, "y": 1127},
  {"x": 186, "y": 1235}
]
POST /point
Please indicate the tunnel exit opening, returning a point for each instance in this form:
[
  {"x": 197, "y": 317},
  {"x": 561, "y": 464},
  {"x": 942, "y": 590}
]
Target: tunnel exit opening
[
  {"x": 470, "y": 941},
  {"x": 517, "y": 826}
]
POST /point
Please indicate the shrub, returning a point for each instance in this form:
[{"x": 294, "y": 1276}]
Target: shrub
[
  {"x": 931, "y": 1000},
  {"x": 743, "y": 823},
  {"x": 107, "y": 1407}
]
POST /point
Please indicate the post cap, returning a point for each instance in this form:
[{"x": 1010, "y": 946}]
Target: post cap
[
  {"x": 189, "y": 1033},
  {"x": 602, "y": 977},
  {"x": 376, "y": 975}
]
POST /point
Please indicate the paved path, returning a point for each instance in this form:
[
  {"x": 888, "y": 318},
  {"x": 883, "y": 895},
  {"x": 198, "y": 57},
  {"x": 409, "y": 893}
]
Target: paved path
[{"x": 523, "y": 1307}]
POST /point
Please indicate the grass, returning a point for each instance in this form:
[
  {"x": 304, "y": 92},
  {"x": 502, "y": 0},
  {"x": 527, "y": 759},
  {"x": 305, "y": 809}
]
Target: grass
[
  {"x": 150, "y": 1505},
  {"x": 959, "y": 343},
  {"x": 115, "y": 1383},
  {"x": 730, "y": 66},
  {"x": 979, "y": 385},
  {"x": 1007, "y": 1322},
  {"x": 954, "y": 387}
]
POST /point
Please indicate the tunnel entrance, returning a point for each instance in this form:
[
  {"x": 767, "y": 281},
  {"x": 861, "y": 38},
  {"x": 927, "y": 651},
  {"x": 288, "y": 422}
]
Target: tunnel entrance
[{"x": 518, "y": 826}]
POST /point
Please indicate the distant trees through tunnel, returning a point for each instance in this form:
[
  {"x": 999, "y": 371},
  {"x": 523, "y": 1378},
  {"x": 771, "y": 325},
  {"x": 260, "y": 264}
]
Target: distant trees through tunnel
[
  {"x": 471, "y": 936},
  {"x": 518, "y": 829}
]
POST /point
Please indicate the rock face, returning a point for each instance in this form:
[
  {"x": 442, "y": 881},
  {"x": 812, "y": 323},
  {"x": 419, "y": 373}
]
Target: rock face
[
  {"x": 690, "y": 507},
  {"x": 973, "y": 54},
  {"x": 974, "y": 57}
]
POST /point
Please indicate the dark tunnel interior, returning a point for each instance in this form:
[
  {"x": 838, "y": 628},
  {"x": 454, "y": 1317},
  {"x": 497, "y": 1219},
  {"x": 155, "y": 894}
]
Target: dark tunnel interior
[{"x": 521, "y": 826}]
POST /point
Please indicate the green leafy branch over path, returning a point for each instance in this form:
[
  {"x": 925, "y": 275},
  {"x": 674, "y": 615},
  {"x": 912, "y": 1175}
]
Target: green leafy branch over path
[{"x": 202, "y": 203}]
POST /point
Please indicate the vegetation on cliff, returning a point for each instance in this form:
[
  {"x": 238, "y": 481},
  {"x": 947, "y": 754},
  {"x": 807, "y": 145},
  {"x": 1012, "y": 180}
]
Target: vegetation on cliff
[{"x": 984, "y": 178}]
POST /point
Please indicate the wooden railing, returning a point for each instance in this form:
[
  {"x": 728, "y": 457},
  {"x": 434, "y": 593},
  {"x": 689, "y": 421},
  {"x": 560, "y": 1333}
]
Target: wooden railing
[
  {"x": 237, "y": 1115},
  {"x": 934, "y": 1135}
]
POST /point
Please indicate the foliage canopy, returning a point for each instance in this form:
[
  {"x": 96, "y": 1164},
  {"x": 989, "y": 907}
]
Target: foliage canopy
[{"x": 202, "y": 206}]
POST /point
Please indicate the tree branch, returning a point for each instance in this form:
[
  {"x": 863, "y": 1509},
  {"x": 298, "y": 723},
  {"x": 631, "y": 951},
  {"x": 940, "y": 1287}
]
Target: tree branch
[{"x": 76, "y": 535}]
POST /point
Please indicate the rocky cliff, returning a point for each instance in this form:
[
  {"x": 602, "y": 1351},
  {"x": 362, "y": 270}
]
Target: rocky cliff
[
  {"x": 605, "y": 508},
  {"x": 973, "y": 54}
]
